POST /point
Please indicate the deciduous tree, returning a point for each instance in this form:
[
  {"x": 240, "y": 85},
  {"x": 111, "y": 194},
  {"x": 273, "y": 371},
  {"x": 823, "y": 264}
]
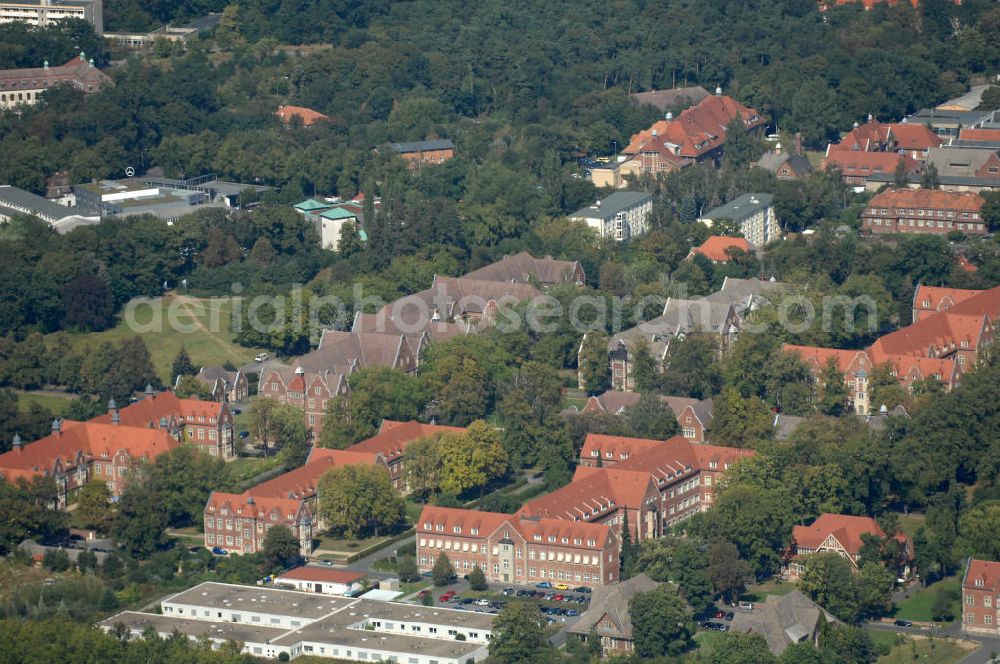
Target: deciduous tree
[
  {"x": 359, "y": 499},
  {"x": 661, "y": 623}
]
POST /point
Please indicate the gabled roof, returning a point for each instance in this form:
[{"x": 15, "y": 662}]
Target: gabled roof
[
  {"x": 772, "y": 161},
  {"x": 667, "y": 100},
  {"x": 697, "y": 130},
  {"x": 307, "y": 116},
  {"x": 961, "y": 161},
  {"x": 453, "y": 297},
  {"x": 524, "y": 268},
  {"x": 251, "y": 505},
  {"x": 593, "y": 492},
  {"x": 986, "y": 572},
  {"x": 846, "y": 529},
  {"x": 938, "y": 334},
  {"x": 81, "y": 441},
  {"x": 394, "y": 437},
  {"x": 212, "y": 374},
  {"x": 910, "y": 367},
  {"x": 365, "y": 349},
  {"x": 783, "y": 620},
  {"x": 445, "y": 521},
  {"x": 320, "y": 574},
  {"x": 936, "y": 199},
  {"x": 612, "y": 601},
  {"x": 149, "y": 412},
  {"x": 862, "y": 164},
  {"x": 848, "y": 361},
  {"x": 620, "y": 447},
  {"x": 978, "y": 134},
  {"x": 939, "y": 298},
  {"x": 717, "y": 248}
]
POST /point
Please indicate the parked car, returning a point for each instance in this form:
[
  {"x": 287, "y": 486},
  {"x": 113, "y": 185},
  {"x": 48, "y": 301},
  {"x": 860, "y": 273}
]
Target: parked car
[
  {"x": 903, "y": 623},
  {"x": 582, "y": 589},
  {"x": 562, "y": 586},
  {"x": 219, "y": 551},
  {"x": 508, "y": 591},
  {"x": 719, "y": 615},
  {"x": 244, "y": 434},
  {"x": 326, "y": 563},
  {"x": 729, "y": 615},
  {"x": 260, "y": 357},
  {"x": 446, "y": 597},
  {"x": 543, "y": 584},
  {"x": 746, "y": 606},
  {"x": 558, "y": 598},
  {"x": 423, "y": 593},
  {"x": 483, "y": 602},
  {"x": 572, "y": 613}
]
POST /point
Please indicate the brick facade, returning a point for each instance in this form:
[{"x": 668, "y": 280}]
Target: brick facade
[
  {"x": 981, "y": 598},
  {"x": 517, "y": 549},
  {"x": 927, "y": 211}
]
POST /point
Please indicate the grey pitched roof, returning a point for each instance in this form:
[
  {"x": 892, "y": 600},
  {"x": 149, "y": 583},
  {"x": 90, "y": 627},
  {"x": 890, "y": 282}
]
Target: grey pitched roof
[
  {"x": 959, "y": 161},
  {"x": 743, "y": 294},
  {"x": 970, "y": 100},
  {"x": 785, "y": 425},
  {"x": 423, "y": 146},
  {"x": 666, "y": 100},
  {"x": 612, "y": 601},
  {"x": 523, "y": 267},
  {"x": 679, "y": 317},
  {"x": 773, "y": 161},
  {"x": 741, "y": 208},
  {"x": 782, "y": 620},
  {"x": 25, "y": 202},
  {"x": 212, "y": 374},
  {"x": 608, "y": 207}
]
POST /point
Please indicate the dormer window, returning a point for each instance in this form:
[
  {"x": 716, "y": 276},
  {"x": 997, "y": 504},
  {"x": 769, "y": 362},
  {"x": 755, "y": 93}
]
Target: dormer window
[
  {"x": 565, "y": 540},
  {"x": 595, "y": 453},
  {"x": 439, "y": 527},
  {"x": 537, "y": 538},
  {"x": 552, "y": 538},
  {"x": 457, "y": 530},
  {"x": 475, "y": 531},
  {"x": 979, "y": 582}
]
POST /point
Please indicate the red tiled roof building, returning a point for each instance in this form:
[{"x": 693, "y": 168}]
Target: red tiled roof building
[
  {"x": 838, "y": 533},
  {"x": 720, "y": 249},
  {"x": 928, "y": 211},
  {"x": 517, "y": 548},
  {"x": 928, "y": 300},
  {"x": 981, "y": 597},
  {"x": 76, "y": 453}
]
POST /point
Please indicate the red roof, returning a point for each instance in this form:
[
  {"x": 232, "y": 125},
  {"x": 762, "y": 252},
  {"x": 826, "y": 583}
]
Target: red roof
[
  {"x": 149, "y": 411},
  {"x": 935, "y": 199},
  {"x": 863, "y": 164},
  {"x": 79, "y": 442},
  {"x": 257, "y": 506},
  {"x": 875, "y": 137},
  {"x": 307, "y": 115},
  {"x": 848, "y": 361},
  {"x": 938, "y": 334},
  {"x": 486, "y": 523},
  {"x": 846, "y": 529},
  {"x": 620, "y": 447},
  {"x": 717, "y": 247},
  {"x": 938, "y": 298},
  {"x": 301, "y": 482},
  {"x": 326, "y": 574},
  {"x": 910, "y": 367},
  {"x": 914, "y": 136},
  {"x": 697, "y": 130},
  {"x": 393, "y": 437},
  {"x": 987, "y": 572},
  {"x": 970, "y": 134}
]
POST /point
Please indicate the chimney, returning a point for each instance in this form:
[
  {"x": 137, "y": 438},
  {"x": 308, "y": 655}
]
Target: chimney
[
  {"x": 46, "y": 65},
  {"x": 669, "y": 116},
  {"x": 83, "y": 56},
  {"x": 17, "y": 443},
  {"x": 57, "y": 426},
  {"x": 655, "y": 133},
  {"x": 718, "y": 91},
  {"x": 798, "y": 143},
  {"x": 149, "y": 389},
  {"x": 777, "y": 148},
  {"x": 871, "y": 118},
  {"x": 163, "y": 422},
  {"x": 113, "y": 409}
]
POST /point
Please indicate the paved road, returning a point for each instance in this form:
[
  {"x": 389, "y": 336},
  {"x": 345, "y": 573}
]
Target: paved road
[{"x": 989, "y": 647}]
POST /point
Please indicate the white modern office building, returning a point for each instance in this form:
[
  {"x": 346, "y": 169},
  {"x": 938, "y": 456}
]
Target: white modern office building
[
  {"x": 46, "y": 12},
  {"x": 269, "y": 622},
  {"x": 753, "y": 215}
]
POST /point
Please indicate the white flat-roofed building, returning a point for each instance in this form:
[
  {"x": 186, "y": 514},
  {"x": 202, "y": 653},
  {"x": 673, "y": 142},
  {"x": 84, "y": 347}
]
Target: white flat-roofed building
[
  {"x": 269, "y": 622},
  {"x": 620, "y": 216},
  {"x": 46, "y": 12},
  {"x": 322, "y": 580},
  {"x": 753, "y": 215}
]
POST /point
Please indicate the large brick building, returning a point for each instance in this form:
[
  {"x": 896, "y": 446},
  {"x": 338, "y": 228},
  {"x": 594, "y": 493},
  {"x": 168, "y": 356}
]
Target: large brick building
[
  {"x": 697, "y": 134},
  {"x": 239, "y": 522},
  {"x": 650, "y": 483},
  {"x": 418, "y": 153},
  {"x": 205, "y": 424},
  {"x": 929, "y": 211},
  {"x": 928, "y": 300},
  {"x": 981, "y": 597},
  {"x": 517, "y": 548},
  {"x": 76, "y": 453},
  {"x": 693, "y": 415},
  {"x": 914, "y": 140}
]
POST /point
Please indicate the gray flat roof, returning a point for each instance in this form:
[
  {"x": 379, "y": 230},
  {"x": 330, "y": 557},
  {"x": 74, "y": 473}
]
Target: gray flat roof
[
  {"x": 194, "y": 628},
  {"x": 397, "y": 612},
  {"x": 262, "y": 600},
  {"x": 421, "y": 146},
  {"x": 956, "y": 180},
  {"x": 612, "y": 205},
  {"x": 741, "y": 208}
]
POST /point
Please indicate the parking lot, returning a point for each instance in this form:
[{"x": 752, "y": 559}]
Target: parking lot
[{"x": 557, "y": 605}]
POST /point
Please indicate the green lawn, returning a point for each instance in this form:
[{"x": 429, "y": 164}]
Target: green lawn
[
  {"x": 55, "y": 404},
  {"x": 202, "y": 326},
  {"x": 910, "y": 523},
  {"x": 706, "y": 643},
  {"x": 918, "y": 607},
  {"x": 759, "y": 591},
  {"x": 932, "y": 651}
]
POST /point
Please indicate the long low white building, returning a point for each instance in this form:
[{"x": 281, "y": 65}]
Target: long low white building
[{"x": 269, "y": 622}]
